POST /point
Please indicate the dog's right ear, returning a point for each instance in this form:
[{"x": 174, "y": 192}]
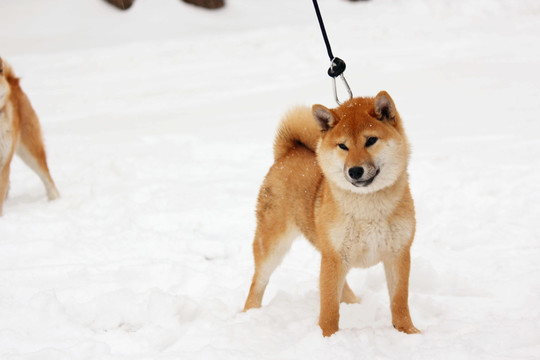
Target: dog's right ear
[
  {"x": 324, "y": 117},
  {"x": 1, "y": 66}
]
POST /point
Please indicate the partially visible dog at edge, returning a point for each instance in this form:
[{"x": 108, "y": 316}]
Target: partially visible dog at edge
[
  {"x": 339, "y": 178},
  {"x": 20, "y": 133}
]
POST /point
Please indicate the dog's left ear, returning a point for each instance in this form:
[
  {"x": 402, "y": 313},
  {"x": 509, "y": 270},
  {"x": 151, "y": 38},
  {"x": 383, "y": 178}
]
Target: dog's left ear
[{"x": 385, "y": 109}]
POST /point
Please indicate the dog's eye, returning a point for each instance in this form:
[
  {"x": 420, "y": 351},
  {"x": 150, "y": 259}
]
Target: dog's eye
[
  {"x": 371, "y": 140},
  {"x": 343, "y": 147}
]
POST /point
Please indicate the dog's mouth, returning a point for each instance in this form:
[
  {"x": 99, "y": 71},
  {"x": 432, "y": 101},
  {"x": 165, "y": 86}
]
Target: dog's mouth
[{"x": 364, "y": 183}]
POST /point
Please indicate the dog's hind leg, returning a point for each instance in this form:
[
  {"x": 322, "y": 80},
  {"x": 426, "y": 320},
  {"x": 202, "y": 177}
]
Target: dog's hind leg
[
  {"x": 4, "y": 183},
  {"x": 4, "y": 178},
  {"x": 269, "y": 248},
  {"x": 31, "y": 150},
  {"x": 30, "y": 147},
  {"x": 348, "y": 296},
  {"x": 6, "y": 154}
]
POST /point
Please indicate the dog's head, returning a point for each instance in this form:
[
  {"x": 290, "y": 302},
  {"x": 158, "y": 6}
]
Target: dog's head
[{"x": 363, "y": 147}]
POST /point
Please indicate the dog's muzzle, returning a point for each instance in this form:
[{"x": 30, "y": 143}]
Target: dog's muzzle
[{"x": 359, "y": 176}]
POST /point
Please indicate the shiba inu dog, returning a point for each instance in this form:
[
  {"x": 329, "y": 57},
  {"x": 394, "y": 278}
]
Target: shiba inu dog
[
  {"x": 339, "y": 178},
  {"x": 20, "y": 132}
]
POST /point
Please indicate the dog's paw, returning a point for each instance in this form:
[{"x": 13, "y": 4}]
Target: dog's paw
[
  {"x": 351, "y": 299},
  {"x": 328, "y": 327},
  {"x": 407, "y": 329},
  {"x": 53, "y": 194},
  {"x": 348, "y": 296}
]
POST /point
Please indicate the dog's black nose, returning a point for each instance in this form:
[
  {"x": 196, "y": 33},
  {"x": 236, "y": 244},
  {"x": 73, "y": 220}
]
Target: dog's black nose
[{"x": 356, "y": 172}]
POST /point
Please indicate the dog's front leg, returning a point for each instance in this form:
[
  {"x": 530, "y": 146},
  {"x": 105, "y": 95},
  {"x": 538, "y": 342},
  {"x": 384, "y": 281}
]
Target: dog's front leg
[
  {"x": 397, "y": 267},
  {"x": 332, "y": 279}
]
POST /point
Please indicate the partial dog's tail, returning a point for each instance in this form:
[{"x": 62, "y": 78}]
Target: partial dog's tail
[
  {"x": 7, "y": 72},
  {"x": 298, "y": 128}
]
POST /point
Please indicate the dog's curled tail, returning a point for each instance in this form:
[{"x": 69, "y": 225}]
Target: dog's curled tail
[
  {"x": 298, "y": 128},
  {"x": 7, "y": 72}
]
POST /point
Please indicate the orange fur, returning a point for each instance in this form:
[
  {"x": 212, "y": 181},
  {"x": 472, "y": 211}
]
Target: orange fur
[
  {"x": 347, "y": 193},
  {"x": 20, "y": 133},
  {"x": 297, "y": 129}
]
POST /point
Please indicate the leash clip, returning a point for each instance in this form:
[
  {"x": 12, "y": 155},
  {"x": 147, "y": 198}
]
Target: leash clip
[
  {"x": 346, "y": 87},
  {"x": 337, "y": 67}
]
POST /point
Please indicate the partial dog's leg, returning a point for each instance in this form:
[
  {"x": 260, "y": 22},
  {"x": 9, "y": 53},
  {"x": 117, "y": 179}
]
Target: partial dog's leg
[
  {"x": 4, "y": 178},
  {"x": 7, "y": 147},
  {"x": 348, "y": 296},
  {"x": 269, "y": 248},
  {"x": 32, "y": 152},
  {"x": 332, "y": 280},
  {"x": 30, "y": 147},
  {"x": 397, "y": 268}
]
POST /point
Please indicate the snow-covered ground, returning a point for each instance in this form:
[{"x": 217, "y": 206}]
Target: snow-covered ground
[{"x": 159, "y": 125}]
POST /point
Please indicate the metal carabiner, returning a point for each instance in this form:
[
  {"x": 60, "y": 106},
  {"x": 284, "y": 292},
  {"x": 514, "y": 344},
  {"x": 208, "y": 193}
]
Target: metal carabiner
[
  {"x": 337, "y": 67},
  {"x": 346, "y": 87}
]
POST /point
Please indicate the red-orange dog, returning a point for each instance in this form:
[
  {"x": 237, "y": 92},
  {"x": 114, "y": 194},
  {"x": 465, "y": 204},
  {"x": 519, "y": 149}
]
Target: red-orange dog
[
  {"x": 20, "y": 132},
  {"x": 339, "y": 178}
]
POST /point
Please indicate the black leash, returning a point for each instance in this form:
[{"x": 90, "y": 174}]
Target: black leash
[{"x": 337, "y": 66}]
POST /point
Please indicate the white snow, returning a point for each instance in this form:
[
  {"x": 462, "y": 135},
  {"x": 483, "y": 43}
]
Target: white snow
[{"x": 159, "y": 124}]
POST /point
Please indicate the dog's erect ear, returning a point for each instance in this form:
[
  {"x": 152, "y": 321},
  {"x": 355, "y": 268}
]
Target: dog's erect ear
[
  {"x": 324, "y": 117},
  {"x": 384, "y": 107},
  {"x": 1, "y": 66}
]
